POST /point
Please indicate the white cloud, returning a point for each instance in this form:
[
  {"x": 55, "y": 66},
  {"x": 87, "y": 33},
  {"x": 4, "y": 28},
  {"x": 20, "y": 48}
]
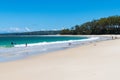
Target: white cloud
[
  {"x": 27, "y": 29},
  {"x": 15, "y": 29}
]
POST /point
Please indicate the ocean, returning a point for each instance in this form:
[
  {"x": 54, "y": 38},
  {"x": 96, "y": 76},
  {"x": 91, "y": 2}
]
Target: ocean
[
  {"x": 14, "y": 47},
  {"x": 12, "y": 41}
]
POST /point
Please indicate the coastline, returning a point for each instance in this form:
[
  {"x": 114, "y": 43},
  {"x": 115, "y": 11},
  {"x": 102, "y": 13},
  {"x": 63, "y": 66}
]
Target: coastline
[
  {"x": 21, "y": 51},
  {"x": 88, "y": 62}
]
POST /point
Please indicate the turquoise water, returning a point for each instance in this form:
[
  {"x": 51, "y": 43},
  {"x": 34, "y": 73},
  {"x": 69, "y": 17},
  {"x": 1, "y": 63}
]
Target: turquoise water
[
  {"x": 37, "y": 45},
  {"x": 5, "y": 41}
]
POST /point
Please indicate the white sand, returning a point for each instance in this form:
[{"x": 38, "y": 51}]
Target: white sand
[{"x": 100, "y": 61}]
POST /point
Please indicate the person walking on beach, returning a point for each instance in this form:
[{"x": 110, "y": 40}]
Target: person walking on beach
[
  {"x": 26, "y": 44},
  {"x": 112, "y": 37},
  {"x": 69, "y": 44}
]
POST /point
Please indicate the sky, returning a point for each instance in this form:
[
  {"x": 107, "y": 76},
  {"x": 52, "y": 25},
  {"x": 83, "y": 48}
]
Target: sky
[{"x": 35, "y": 15}]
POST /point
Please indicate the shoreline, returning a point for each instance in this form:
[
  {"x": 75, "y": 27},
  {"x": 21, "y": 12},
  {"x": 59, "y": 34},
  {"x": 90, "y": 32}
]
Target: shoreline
[
  {"x": 88, "y": 62},
  {"x": 19, "y": 53}
]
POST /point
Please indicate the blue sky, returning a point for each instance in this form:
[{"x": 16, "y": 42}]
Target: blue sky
[{"x": 34, "y": 15}]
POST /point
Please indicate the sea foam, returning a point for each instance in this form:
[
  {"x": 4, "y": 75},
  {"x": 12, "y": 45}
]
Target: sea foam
[{"x": 56, "y": 42}]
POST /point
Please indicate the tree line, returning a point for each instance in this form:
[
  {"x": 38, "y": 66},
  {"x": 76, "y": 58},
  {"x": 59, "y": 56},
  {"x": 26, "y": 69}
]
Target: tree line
[{"x": 109, "y": 25}]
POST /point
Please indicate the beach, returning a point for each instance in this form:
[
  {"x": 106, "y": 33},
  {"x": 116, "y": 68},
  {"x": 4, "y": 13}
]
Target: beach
[{"x": 96, "y": 61}]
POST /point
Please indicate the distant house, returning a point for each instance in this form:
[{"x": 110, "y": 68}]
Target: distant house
[{"x": 113, "y": 26}]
